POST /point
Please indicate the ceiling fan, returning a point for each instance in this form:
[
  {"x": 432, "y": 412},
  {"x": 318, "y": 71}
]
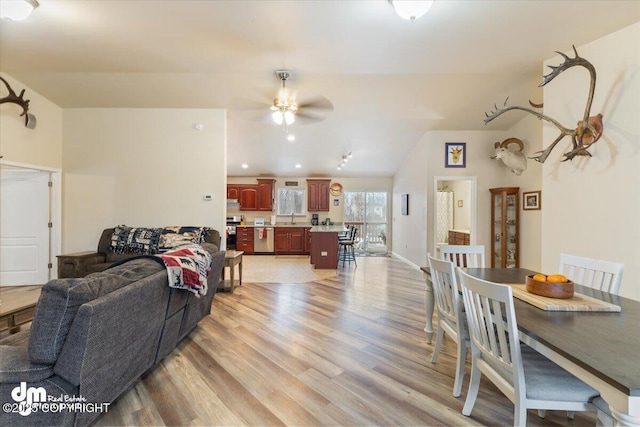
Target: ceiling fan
[{"x": 285, "y": 110}]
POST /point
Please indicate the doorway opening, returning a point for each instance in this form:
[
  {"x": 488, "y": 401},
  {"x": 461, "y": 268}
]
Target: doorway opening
[
  {"x": 368, "y": 211},
  {"x": 455, "y": 210}
]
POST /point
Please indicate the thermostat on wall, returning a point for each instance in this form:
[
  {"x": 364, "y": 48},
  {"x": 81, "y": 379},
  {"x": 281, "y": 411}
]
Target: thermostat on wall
[{"x": 208, "y": 197}]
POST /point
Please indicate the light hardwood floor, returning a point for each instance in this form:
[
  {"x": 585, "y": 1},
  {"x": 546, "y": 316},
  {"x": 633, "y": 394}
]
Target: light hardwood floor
[{"x": 346, "y": 351}]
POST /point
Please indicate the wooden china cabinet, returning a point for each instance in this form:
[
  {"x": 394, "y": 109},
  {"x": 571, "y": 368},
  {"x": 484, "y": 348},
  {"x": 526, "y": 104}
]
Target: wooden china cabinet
[{"x": 505, "y": 224}]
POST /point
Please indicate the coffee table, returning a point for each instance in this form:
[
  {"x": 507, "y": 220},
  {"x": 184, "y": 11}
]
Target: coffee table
[
  {"x": 18, "y": 306},
  {"x": 231, "y": 259}
]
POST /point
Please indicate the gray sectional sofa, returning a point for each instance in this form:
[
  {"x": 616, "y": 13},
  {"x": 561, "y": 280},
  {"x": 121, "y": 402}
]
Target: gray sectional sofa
[{"x": 93, "y": 337}]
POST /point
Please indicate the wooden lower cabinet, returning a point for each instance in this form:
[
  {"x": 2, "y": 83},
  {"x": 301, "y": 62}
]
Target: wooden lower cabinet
[
  {"x": 244, "y": 240},
  {"x": 290, "y": 240}
]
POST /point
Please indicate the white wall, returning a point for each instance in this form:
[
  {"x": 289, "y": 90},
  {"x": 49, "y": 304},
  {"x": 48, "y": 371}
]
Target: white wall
[
  {"x": 529, "y": 131},
  {"x": 413, "y": 234},
  {"x": 591, "y": 206},
  {"x": 41, "y": 146},
  {"x": 141, "y": 167}
]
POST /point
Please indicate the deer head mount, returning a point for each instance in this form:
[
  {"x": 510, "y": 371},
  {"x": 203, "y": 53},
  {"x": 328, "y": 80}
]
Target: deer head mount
[
  {"x": 588, "y": 130},
  {"x": 514, "y": 160},
  {"x": 29, "y": 119}
]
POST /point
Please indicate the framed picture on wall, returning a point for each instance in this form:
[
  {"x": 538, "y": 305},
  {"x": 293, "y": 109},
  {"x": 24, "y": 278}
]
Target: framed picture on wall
[
  {"x": 405, "y": 204},
  {"x": 531, "y": 201},
  {"x": 455, "y": 154}
]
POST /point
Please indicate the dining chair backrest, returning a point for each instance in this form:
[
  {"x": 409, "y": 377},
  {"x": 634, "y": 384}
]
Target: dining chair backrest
[
  {"x": 493, "y": 332},
  {"x": 463, "y": 255},
  {"x": 594, "y": 273},
  {"x": 450, "y": 318},
  {"x": 445, "y": 288}
]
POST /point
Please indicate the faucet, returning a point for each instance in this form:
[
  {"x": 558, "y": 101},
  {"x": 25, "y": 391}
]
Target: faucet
[{"x": 293, "y": 220}]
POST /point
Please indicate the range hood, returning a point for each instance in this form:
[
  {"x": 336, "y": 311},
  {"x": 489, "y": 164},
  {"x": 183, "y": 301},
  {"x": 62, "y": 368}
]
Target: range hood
[{"x": 233, "y": 204}]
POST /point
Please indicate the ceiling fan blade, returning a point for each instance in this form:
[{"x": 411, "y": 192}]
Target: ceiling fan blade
[
  {"x": 306, "y": 118},
  {"x": 317, "y": 103}
]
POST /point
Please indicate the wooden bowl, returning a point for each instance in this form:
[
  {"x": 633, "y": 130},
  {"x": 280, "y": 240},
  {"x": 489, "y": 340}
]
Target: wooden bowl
[{"x": 548, "y": 289}]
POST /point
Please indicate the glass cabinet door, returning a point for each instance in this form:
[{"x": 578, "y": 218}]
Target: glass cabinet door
[
  {"x": 504, "y": 227},
  {"x": 511, "y": 236},
  {"x": 497, "y": 231}
]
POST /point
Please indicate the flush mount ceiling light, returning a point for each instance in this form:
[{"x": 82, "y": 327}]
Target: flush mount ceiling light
[
  {"x": 411, "y": 9},
  {"x": 17, "y": 10},
  {"x": 284, "y": 109}
]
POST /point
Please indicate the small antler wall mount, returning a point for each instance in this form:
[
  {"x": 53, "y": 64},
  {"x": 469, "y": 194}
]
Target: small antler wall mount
[
  {"x": 588, "y": 130},
  {"x": 29, "y": 119}
]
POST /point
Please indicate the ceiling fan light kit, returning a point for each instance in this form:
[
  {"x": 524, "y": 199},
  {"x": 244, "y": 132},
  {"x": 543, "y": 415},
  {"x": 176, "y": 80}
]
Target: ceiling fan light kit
[
  {"x": 17, "y": 10},
  {"x": 283, "y": 109},
  {"x": 411, "y": 9}
]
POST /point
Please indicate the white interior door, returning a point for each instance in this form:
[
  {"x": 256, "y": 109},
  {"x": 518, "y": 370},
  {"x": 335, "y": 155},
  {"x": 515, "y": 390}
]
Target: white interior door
[{"x": 24, "y": 230}]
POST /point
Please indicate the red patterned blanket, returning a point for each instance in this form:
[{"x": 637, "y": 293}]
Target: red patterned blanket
[{"x": 188, "y": 268}]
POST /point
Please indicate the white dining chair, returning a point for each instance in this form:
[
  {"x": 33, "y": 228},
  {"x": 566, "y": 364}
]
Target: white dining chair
[
  {"x": 463, "y": 255},
  {"x": 526, "y": 377},
  {"x": 594, "y": 273},
  {"x": 450, "y": 318}
]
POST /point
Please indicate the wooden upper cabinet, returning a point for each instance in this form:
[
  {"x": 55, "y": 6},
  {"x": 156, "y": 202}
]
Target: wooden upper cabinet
[
  {"x": 249, "y": 198},
  {"x": 265, "y": 194},
  {"x": 318, "y": 195},
  {"x": 253, "y": 197},
  {"x": 233, "y": 191}
]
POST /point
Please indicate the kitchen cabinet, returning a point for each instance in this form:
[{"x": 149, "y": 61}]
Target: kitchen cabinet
[
  {"x": 249, "y": 198},
  {"x": 253, "y": 197},
  {"x": 233, "y": 191},
  {"x": 289, "y": 240},
  {"x": 265, "y": 194},
  {"x": 318, "y": 195},
  {"x": 244, "y": 240},
  {"x": 505, "y": 223}
]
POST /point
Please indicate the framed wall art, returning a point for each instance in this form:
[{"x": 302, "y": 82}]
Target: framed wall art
[
  {"x": 531, "y": 201},
  {"x": 455, "y": 154}
]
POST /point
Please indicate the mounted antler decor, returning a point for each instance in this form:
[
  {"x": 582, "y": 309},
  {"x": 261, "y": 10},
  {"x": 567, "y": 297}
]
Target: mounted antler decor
[
  {"x": 589, "y": 129},
  {"x": 29, "y": 119}
]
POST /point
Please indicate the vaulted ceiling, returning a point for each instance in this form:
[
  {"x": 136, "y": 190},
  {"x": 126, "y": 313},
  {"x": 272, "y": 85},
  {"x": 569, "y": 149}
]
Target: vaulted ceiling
[{"x": 389, "y": 80}]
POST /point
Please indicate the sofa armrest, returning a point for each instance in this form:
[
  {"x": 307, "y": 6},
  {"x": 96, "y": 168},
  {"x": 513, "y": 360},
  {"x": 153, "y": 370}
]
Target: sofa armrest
[{"x": 76, "y": 265}]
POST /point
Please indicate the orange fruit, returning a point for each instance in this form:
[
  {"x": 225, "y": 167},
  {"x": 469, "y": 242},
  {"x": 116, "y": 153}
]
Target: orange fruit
[
  {"x": 540, "y": 277},
  {"x": 557, "y": 278}
]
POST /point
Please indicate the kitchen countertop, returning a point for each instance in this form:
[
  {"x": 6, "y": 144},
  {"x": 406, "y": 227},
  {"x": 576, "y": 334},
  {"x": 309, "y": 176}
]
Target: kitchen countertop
[
  {"x": 328, "y": 228},
  {"x": 281, "y": 224}
]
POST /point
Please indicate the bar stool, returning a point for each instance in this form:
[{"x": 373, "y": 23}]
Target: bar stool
[{"x": 345, "y": 248}]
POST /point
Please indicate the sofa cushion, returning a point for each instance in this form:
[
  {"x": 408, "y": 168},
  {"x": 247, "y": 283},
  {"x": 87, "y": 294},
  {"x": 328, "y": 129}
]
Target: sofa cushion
[{"x": 60, "y": 299}]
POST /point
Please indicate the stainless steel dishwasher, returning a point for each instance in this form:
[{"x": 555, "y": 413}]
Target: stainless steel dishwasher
[{"x": 263, "y": 240}]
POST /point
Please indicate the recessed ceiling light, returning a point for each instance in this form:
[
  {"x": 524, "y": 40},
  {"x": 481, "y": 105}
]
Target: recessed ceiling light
[
  {"x": 244, "y": 165},
  {"x": 291, "y": 137},
  {"x": 298, "y": 166}
]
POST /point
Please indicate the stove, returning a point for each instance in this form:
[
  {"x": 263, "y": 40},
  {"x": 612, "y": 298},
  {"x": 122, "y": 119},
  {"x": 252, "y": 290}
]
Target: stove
[{"x": 232, "y": 223}]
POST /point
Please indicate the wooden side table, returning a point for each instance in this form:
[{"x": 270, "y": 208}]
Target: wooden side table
[{"x": 231, "y": 259}]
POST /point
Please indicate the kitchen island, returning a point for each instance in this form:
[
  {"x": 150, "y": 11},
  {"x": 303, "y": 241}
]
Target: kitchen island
[{"x": 324, "y": 246}]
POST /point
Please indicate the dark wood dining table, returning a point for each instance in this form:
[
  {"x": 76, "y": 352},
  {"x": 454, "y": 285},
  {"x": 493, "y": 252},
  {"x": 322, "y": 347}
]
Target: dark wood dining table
[{"x": 601, "y": 348}]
